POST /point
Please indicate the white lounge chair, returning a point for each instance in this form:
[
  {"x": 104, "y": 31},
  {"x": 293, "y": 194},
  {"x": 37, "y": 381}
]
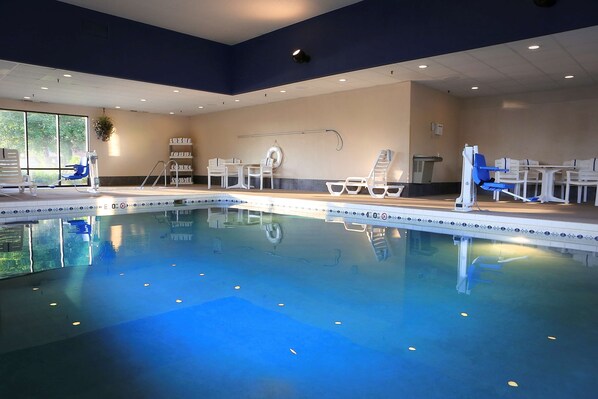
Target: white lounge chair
[
  {"x": 376, "y": 182},
  {"x": 10, "y": 172}
]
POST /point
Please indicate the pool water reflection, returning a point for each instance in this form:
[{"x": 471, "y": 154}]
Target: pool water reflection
[{"x": 237, "y": 303}]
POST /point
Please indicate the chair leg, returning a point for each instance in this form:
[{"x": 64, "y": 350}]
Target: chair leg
[
  {"x": 261, "y": 181},
  {"x": 579, "y": 190},
  {"x": 585, "y": 193},
  {"x": 567, "y": 189}
]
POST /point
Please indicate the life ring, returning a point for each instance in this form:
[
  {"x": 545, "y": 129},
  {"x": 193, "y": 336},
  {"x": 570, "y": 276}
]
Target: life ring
[
  {"x": 275, "y": 152},
  {"x": 274, "y": 233}
]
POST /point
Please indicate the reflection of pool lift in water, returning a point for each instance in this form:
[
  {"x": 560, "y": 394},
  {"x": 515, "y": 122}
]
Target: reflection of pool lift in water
[
  {"x": 477, "y": 173},
  {"x": 470, "y": 273},
  {"x": 87, "y": 230},
  {"x": 82, "y": 228}
]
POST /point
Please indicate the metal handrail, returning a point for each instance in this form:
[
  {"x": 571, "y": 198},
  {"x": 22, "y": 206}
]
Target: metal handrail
[
  {"x": 165, "y": 166},
  {"x": 176, "y": 165}
]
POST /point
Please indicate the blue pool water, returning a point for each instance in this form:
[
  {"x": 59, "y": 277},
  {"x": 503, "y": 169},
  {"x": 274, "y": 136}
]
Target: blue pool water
[{"x": 232, "y": 303}]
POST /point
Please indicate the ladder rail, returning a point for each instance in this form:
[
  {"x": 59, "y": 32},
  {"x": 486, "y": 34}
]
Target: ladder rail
[
  {"x": 150, "y": 173},
  {"x": 166, "y": 165}
]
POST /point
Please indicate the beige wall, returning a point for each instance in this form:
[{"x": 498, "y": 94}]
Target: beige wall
[
  {"x": 550, "y": 127},
  {"x": 427, "y": 106},
  {"x": 368, "y": 119},
  {"x": 139, "y": 141}
]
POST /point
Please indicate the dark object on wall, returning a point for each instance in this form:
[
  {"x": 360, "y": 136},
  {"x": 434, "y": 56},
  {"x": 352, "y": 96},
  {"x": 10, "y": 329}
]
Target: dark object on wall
[
  {"x": 300, "y": 56},
  {"x": 103, "y": 127},
  {"x": 544, "y": 3}
]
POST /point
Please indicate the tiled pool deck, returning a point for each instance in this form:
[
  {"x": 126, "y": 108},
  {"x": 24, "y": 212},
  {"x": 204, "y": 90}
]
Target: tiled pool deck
[{"x": 573, "y": 225}]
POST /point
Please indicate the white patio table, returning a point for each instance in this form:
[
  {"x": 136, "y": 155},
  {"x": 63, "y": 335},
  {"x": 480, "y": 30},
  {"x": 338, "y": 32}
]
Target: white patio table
[
  {"x": 547, "y": 189},
  {"x": 241, "y": 173}
]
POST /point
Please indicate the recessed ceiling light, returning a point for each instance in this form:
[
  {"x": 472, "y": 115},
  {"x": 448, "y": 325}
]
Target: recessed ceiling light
[
  {"x": 67, "y": 75},
  {"x": 569, "y": 77},
  {"x": 533, "y": 47},
  {"x": 117, "y": 107},
  {"x": 342, "y": 80},
  {"x": 143, "y": 100},
  {"x": 171, "y": 113},
  {"x": 283, "y": 91},
  {"x": 44, "y": 88},
  {"x": 474, "y": 87},
  {"x": 422, "y": 66},
  {"x": 175, "y": 91},
  {"x": 27, "y": 98},
  {"x": 237, "y": 101},
  {"x": 200, "y": 107}
]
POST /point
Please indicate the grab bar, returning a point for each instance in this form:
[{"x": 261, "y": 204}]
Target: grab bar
[{"x": 165, "y": 165}]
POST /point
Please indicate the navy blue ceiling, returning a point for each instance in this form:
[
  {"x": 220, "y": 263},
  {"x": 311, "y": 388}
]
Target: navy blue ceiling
[{"x": 363, "y": 35}]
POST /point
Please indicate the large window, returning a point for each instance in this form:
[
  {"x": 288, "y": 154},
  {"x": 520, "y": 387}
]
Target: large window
[{"x": 46, "y": 142}]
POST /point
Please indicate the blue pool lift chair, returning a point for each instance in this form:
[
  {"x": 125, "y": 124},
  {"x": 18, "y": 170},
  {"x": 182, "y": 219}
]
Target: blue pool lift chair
[
  {"x": 475, "y": 173},
  {"x": 81, "y": 170}
]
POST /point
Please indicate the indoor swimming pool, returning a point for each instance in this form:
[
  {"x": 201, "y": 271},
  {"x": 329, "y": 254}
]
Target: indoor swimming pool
[{"x": 230, "y": 302}]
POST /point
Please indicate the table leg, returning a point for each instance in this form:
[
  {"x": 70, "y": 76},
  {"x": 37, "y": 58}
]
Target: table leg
[
  {"x": 241, "y": 177},
  {"x": 547, "y": 191}
]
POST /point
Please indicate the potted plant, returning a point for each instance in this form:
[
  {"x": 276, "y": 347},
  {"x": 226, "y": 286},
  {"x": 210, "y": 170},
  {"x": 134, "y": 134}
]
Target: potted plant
[{"x": 103, "y": 127}]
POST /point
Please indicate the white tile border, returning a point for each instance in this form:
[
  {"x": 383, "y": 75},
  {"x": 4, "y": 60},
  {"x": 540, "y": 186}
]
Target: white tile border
[{"x": 471, "y": 223}]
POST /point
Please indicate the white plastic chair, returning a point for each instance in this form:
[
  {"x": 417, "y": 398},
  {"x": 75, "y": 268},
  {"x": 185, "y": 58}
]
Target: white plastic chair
[
  {"x": 514, "y": 175},
  {"x": 376, "y": 182},
  {"x": 265, "y": 169},
  {"x": 533, "y": 175},
  {"x": 217, "y": 168},
  {"x": 11, "y": 174},
  {"x": 583, "y": 176}
]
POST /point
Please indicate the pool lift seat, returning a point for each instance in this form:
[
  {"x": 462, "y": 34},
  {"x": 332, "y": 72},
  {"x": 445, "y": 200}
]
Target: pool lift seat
[
  {"x": 85, "y": 167},
  {"x": 476, "y": 173},
  {"x": 81, "y": 170}
]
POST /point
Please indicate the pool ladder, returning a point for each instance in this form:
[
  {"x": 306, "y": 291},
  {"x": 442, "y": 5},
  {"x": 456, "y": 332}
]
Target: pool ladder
[{"x": 164, "y": 168}]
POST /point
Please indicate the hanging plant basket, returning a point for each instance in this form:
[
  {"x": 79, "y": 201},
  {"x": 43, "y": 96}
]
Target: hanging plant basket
[{"x": 103, "y": 127}]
